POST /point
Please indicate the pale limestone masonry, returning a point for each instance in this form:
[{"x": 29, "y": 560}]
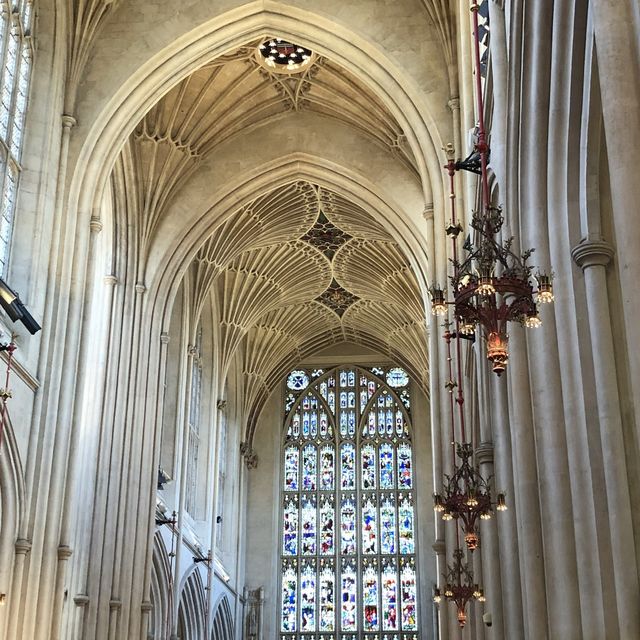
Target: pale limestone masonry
[{"x": 168, "y": 180}]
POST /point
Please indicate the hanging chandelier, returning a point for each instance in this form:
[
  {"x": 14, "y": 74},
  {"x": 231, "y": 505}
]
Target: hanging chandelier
[
  {"x": 492, "y": 284},
  {"x": 459, "y": 587},
  {"x": 466, "y": 497}
]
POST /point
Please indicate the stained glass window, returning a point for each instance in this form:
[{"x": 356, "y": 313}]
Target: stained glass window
[
  {"x": 348, "y": 522},
  {"x": 16, "y": 56}
]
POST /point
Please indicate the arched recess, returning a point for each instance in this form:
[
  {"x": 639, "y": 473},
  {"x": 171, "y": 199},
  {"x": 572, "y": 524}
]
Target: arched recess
[
  {"x": 191, "y": 610},
  {"x": 160, "y": 589},
  {"x": 12, "y": 495},
  {"x": 114, "y": 119},
  {"x": 222, "y": 628}
]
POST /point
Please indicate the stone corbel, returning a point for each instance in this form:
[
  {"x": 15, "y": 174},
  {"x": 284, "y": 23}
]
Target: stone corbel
[
  {"x": 249, "y": 455},
  {"x": 221, "y": 405}
]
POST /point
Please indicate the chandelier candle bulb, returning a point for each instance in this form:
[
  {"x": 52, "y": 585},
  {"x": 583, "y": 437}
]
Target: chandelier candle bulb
[
  {"x": 502, "y": 503},
  {"x": 438, "y": 303},
  {"x": 545, "y": 289},
  {"x": 436, "y": 596}
]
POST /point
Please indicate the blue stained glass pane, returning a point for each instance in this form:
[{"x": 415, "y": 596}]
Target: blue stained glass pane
[
  {"x": 331, "y": 400},
  {"x": 327, "y": 528},
  {"x": 369, "y": 528},
  {"x": 348, "y": 467},
  {"x": 308, "y": 526},
  {"x": 408, "y": 586},
  {"x": 344, "y": 424},
  {"x": 389, "y": 422},
  {"x": 368, "y": 467},
  {"x": 405, "y": 526},
  {"x": 405, "y": 479},
  {"x": 381, "y": 422},
  {"x": 305, "y": 425},
  {"x": 364, "y": 398},
  {"x": 348, "y": 527},
  {"x": 351, "y": 378},
  {"x": 349, "y": 616},
  {"x": 308, "y": 598},
  {"x": 327, "y": 600},
  {"x": 389, "y": 598},
  {"x": 343, "y": 399},
  {"x": 386, "y": 466},
  {"x": 371, "y": 621},
  {"x": 343, "y": 378},
  {"x": 352, "y": 423},
  {"x": 327, "y": 469},
  {"x": 291, "y": 463},
  {"x": 399, "y": 423},
  {"x": 387, "y": 526},
  {"x": 324, "y": 425},
  {"x": 289, "y": 593},
  {"x": 290, "y": 528},
  {"x": 314, "y": 424},
  {"x": 372, "y": 424},
  {"x": 371, "y": 388},
  {"x": 295, "y": 425},
  {"x": 309, "y": 468}
]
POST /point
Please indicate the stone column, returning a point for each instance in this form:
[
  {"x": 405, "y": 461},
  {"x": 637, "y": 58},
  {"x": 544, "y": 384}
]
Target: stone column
[
  {"x": 593, "y": 257},
  {"x": 617, "y": 39}
]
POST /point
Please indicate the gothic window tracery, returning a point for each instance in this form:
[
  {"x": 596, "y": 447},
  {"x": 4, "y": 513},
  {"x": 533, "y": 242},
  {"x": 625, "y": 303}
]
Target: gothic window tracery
[
  {"x": 347, "y": 549},
  {"x": 16, "y": 51}
]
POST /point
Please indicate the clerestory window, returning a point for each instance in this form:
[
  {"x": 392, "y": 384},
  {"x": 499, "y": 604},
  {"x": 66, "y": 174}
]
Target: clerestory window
[
  {"x": 16, "y": 51},
  {"x": 348, "y": 565}
]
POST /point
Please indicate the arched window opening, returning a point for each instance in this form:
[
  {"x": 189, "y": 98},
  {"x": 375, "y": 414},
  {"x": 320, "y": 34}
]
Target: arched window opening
[
  {"x": 16, "y": 49},
  {"x": 348, "y": 566}
]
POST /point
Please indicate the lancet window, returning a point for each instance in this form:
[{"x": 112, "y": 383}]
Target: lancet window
[
  {"x": 16, "y": 51},
  {"x": 347, "y": 547}
]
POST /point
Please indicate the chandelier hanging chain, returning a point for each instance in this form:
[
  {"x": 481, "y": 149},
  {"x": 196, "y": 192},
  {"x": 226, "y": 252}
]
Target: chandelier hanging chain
[{"x": 492, "y": 285}]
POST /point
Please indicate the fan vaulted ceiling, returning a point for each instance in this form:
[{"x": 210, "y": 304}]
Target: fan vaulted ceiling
[{"x": 302, "y": 267}]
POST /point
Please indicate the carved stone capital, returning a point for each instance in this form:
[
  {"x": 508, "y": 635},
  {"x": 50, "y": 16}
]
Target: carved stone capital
[
  {"x": 81, "y": 600},
  {"x": 23, "y": 546},
  {"x": 427, "y": 212},
  {"x": 439, "y": 547},
  {"x": 165, "y": 338},
  {"x": 454, "y": 103},
  {"x": 592, "y": 253},
  {"x": 110, "y": 280},
  {"x": 146, "y": 606},
  {"x": 484, "y": 453},
  {"x": 140, "y": 288},
  {"x": 114, "y": 604},
  {"x": 64, "y": 552},
  {"x": 68, "y": 121},
  {"x": 221, "y": 405},
  {"x": 95, "y": 224}
]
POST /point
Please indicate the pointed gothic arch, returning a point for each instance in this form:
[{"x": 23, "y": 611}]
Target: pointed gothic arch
[
  {"x": 222, "y": 628},
  {"x": 191, "y": 609}
]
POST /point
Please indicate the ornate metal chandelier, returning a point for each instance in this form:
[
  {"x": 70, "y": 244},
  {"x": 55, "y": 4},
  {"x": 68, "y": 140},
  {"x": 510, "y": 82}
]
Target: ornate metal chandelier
[
  {"x": 466, "y": 497},
  {"x": 492, "y": 285},
  {"x": 459, "y": 586}
]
